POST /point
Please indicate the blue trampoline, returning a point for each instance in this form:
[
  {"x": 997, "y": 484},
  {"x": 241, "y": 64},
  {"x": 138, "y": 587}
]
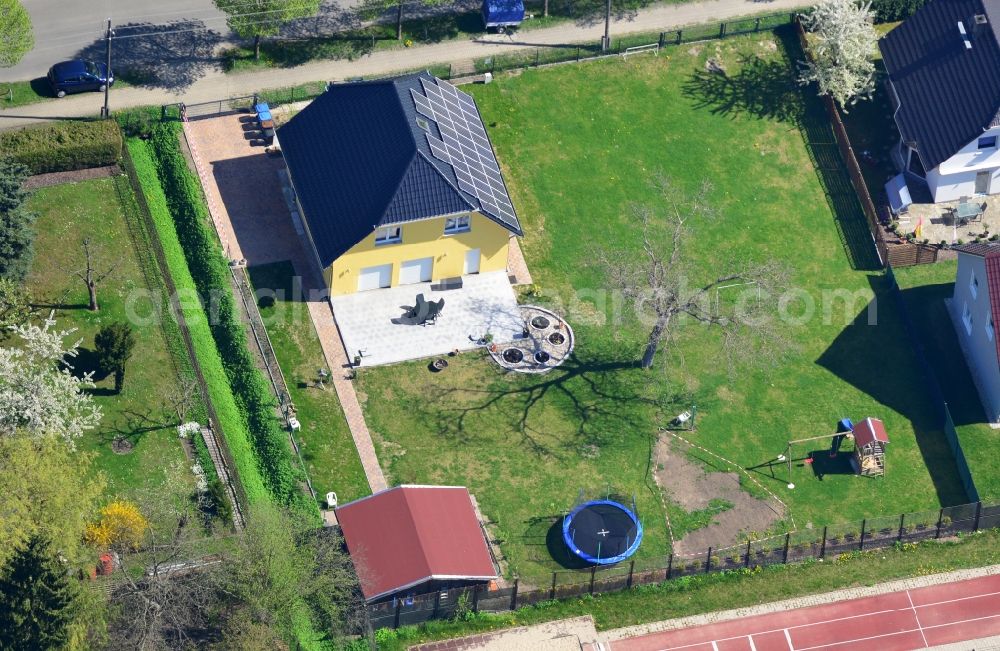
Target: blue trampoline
[{"x": 602, "y": 532}]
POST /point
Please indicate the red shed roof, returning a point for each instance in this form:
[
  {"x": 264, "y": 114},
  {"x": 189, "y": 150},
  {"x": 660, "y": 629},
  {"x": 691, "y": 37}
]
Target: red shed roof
[
  {"x": 869, "y": 430},
  {"x": 404, "y": 536}
]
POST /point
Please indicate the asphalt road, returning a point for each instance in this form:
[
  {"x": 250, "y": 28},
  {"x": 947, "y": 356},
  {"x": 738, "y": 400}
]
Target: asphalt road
[{"x": 64, "y": 27}]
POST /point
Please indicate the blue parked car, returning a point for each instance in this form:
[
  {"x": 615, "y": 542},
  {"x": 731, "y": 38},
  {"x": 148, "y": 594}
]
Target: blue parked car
[{"x": 78, "y": 76}]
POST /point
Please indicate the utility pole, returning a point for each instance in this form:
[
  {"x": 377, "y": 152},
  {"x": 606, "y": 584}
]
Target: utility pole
[
  {"x": 606, "y": 41},
  {"x": 105, "y": 111}
]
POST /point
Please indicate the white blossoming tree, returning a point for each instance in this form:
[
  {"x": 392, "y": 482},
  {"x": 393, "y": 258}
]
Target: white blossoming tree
[
  {"x": 841, "y": 49},
  {"x": 38, "y": 393}
]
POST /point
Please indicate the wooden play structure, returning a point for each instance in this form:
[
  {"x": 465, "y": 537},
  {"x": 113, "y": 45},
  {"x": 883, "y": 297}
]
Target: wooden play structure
[{"x": 869, "y": 439}]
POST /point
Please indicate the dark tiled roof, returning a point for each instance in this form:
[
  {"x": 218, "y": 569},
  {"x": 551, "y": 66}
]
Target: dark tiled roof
[
  {"x": 401, "y": 537},
  {"x": 359, "y": 159},
  {"x": 948, "y": 94},
  {"x": 978, "y": 248},
  {"x": 993, "y": 281}
]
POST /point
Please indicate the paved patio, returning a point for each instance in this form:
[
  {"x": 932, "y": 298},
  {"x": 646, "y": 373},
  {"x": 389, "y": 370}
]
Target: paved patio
[
  {"x": 369, "y": 321},
  {"x": 937, "y": 223}
]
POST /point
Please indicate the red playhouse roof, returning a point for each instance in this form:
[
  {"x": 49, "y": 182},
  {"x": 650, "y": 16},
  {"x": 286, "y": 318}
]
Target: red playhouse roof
[
  {"x": 868, "y": 431},
  {"x": 404, "y": 536}
]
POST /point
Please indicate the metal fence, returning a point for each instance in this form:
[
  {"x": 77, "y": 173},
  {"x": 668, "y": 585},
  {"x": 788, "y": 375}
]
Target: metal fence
[
  {"x": 580, "y": 52},
  {"x": 526, "y": 58},
  {"x": 934, "y": 386},
  {"x": 829, "y": 542}
]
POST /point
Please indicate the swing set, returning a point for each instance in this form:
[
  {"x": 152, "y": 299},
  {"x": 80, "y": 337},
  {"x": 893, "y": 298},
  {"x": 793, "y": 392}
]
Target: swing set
[{"x": 869, "y": 438}]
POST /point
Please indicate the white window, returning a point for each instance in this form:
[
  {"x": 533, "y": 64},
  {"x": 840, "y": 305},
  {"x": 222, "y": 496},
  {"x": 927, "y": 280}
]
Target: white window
[
  {"x": 974, "y": 285},
  {"x": 967, "y": 319},
  {"x": 989, "y": 330},
  {"x": 389, "y": 235},
  {"x": 457, "y": 225}
]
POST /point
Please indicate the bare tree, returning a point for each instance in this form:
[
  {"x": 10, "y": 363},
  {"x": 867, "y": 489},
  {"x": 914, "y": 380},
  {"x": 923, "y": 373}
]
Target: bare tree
[
  {"x": 169, "y": 604},
  {"x": 90, "y": 275},
  {"x": 657, "y": 284},
  {"x": 182, "y": 397}
]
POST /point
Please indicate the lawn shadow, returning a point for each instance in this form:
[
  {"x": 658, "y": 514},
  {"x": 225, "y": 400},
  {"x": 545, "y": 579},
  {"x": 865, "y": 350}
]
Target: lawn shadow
[
  {"x": 762, "y": 89},
  {"x": 86, "y": 361},
  {"x": 170, "y": 55},
  {"x": 600, "y": 397},
  {"x": 40, "y": 86},
  {"x": 860, "y": 349},
  {"x": 940, "y": 344},
  {"x": 132, "y": 425},
  {"x": 558, "y": 550},
  {"x": 823, "y": 464}
]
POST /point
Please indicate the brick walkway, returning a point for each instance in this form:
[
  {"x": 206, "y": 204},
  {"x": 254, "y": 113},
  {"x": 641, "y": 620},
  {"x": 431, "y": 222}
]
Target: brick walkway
[
  {"x": 517, "y": 268},
  {"x": 252, "y": 221}
]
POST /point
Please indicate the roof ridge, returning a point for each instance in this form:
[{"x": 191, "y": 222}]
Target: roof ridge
[
  {"x": 445, "y": 178},
  {"x": 428, "y": 570}
]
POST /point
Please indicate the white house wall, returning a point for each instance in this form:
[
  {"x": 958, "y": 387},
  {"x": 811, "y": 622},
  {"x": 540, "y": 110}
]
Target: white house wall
[
  {"x": 980, "y": 352},
  {"x": 956, "y": 177}
]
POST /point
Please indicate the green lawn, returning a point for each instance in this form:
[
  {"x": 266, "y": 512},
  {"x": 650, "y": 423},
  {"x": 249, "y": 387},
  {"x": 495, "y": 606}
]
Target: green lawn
[
  {"x": 157, "y": 467},
  {"x": 925, "y": 288},
  {"x": 325, "y": 440},
  {"x": 579, "y": 144},
  {"x": 19, "y": 93}
]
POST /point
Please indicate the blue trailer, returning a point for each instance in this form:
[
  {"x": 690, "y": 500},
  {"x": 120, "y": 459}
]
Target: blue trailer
[{"x": 501, "y": 15}]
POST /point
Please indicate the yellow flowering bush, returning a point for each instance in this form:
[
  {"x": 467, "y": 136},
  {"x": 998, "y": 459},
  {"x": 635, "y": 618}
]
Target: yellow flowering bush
[{"x": 121, "y": 525}]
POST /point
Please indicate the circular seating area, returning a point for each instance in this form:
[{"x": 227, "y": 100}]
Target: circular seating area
[{"x": 545, "y": 342}]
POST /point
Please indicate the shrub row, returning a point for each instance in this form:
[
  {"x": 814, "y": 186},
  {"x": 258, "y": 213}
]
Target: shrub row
[
  {"x": 232, "y": 424},
  {"x": 171, "y": 331},
  {"x": 64, "y": 146},
  {"x": 212, "y": 280}
]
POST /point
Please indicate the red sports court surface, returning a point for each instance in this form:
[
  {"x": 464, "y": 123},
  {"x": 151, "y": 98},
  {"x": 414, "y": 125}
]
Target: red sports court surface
[{"x": 913, "y": 619}]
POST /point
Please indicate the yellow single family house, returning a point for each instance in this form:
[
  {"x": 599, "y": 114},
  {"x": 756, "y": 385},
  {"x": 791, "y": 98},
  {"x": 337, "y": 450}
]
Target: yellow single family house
[{"x": 397, "y": 183}]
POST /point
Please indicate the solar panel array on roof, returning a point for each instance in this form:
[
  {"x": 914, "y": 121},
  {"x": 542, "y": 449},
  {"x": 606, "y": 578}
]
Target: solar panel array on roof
[{"x": 464, "y": 145}]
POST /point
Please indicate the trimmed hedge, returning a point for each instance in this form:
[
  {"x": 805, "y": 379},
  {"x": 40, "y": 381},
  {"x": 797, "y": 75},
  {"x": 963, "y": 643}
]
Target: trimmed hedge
[
  {"x": 211, "y": 276},
  {"x": 231, "y": 422},
  {"x": 888, "y": 11},
  {"x": 64, "y": 146}
]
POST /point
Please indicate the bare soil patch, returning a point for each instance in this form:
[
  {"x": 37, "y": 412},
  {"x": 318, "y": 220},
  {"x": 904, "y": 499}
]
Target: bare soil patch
[
  {"x": 691, "y": 488},
  {"x": 55, "y": 178}
]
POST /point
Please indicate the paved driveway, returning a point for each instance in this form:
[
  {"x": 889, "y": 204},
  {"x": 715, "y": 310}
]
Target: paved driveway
[
  {"x": 370, "y": 321},
  {"x": 244, "y": 189}
]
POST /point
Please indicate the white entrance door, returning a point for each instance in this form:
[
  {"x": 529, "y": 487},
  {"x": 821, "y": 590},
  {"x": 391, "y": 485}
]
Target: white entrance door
[
  {"x": 375, "y": 277},
  {"x": 415, "y": 271},
  {"x": 471, "y": 262},
  {"x": 983, "y": 182}
]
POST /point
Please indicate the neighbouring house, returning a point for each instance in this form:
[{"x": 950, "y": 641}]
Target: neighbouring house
[
  {"x": 973, "y": 307},
  {"x": 398, "y": 183},
  {"x": 944, "y": 78},
  {"x": 412, "y": 540}
]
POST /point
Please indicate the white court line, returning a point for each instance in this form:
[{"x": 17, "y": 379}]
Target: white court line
[
  {"x": 788, "y": 638},
  {"x": 753, "y": 647},
  {"x": 840, "y": 619},
  {"x": 916, "y": 617},
  {"x": 715, "y": 647},
  {"x": 957, "y": 599}
]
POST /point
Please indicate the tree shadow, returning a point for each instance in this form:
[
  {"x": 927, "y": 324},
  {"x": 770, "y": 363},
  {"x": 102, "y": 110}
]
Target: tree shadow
[
  {"x": 170, "y": 55},
  {"x": 762, "y": 89},
  {"x": 879, "y": 361},
  {"x": 769, "y": 90},
  {"x": 599, "y": 397},
  {"x": 86, "y": 361},
  {"x": 132, "y": 425}
]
